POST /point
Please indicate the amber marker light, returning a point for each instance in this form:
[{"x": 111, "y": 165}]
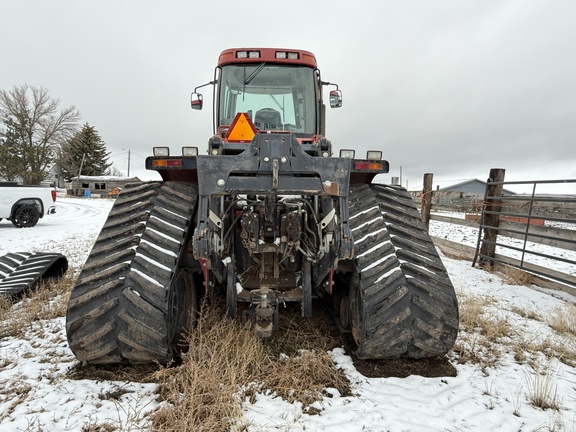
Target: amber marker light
[
  {"x": 365, "y": 165},
  {"x": 166, "y": 163}
]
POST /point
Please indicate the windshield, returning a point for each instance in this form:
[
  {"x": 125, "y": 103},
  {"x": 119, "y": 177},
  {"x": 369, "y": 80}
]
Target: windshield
[{"x": 275, "y": 97}]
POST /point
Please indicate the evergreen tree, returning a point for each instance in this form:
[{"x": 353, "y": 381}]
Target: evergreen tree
[
  {"x": 85, "y": 144},
  {"x": 12, "y": 164}
]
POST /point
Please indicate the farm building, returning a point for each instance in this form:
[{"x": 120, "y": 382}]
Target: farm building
[
  {"x": 466, "y": 195},
  {"x": 471, "y": 187},
  {"x": 98, "y": 186}
]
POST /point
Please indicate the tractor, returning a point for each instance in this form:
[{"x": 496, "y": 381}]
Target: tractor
[{"x": 269, "y": 216}]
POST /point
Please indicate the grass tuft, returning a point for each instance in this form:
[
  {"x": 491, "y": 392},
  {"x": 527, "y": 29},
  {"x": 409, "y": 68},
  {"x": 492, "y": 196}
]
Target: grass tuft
[
  {"x": 564, "y": 320},
  {"x": 542, "y": 393}
]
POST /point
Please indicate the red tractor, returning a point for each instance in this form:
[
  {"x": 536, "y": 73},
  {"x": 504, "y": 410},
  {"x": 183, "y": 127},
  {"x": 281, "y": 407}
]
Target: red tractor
[{"x": 268, "y": 216}]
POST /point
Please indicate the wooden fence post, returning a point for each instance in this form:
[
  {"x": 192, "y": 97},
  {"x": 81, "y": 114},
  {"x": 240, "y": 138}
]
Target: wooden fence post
[
  {"x": 490, "y": 221},
  {"x": 426, "y": 205}
]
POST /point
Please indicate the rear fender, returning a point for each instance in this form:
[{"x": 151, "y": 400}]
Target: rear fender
[{"x": 28, "y": 201}]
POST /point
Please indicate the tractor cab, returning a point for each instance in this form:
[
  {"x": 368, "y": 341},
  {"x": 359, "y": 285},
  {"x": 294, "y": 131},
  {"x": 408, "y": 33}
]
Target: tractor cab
[{"x": 277, "y": 90}]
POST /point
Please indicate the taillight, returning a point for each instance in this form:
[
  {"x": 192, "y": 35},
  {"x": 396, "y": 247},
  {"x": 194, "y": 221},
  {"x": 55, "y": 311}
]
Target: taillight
[
  {"x": 366, "y": 165},
  {"x": 53, "y": 195},
  {"x": 167, "y": 163}
]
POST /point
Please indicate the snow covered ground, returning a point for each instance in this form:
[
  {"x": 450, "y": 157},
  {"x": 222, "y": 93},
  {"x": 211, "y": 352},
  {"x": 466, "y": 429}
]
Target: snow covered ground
[
  {"x": 469, "y": 236},
  {"x": 37, "y": 392}
]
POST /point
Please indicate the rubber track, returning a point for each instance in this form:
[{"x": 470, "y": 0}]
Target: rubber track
[
  {"x": 20, "y": 271},
  {"x": 119, "y": 308},
  {"x": 407, "y": 303}
]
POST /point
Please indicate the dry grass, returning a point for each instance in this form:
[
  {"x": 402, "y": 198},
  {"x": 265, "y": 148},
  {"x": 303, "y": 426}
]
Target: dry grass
[
  {"x": 526, "y": 313},
  {"x": 481, "y": 332},
  {"x": 515, "y": 276},
  {"x": 560, "y": 345},
  {"x": 226, "y": 363},
  {"x": 486, "y": 335},
  {"x": 201, "y": 392},
  {"x": 49, "y": 300},
  {"x": 564, "y": 321},
  {"x": 305, "y": 377},
  {"x": 542, "y": 392},
  {"x": 15, "y": 392},
  {"x": 93, "y": 425}
]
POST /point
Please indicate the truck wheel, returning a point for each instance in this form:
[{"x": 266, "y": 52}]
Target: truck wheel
[
  {"x": 402, "y": 303},
  {"x": 132, "y": 303},
  {"x": 25, "y": 216}
]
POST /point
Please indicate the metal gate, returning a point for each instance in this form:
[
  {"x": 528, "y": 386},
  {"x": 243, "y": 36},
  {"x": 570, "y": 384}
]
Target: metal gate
[{"x": 513, "y": 229}]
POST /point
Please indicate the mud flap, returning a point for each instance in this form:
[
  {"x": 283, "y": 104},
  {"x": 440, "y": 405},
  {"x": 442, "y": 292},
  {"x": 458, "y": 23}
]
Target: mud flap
[{"x": 24, "y": 270}]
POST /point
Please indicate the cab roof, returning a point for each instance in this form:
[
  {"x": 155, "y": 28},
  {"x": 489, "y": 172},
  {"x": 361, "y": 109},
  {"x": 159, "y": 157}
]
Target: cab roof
[{"x": 267, "y": 55}]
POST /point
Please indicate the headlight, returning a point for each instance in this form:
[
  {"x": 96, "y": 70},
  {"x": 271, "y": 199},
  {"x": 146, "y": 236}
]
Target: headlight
[
  {"x": 347, "y": 154},
  {"x": 374, "y": 155},
  {"x": 161, "y": 151},
  {"x": 189, "y": 151}
]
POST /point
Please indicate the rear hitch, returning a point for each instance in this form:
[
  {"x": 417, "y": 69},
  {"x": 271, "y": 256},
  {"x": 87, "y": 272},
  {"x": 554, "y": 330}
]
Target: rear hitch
[{"x": 263, "y": 312}]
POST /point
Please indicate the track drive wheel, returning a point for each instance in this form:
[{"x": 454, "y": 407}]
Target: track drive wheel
[
  {"x": 401, "y": 300},
  {"x": 132, "y": 303},
  {"x": 184, "y": 306}
]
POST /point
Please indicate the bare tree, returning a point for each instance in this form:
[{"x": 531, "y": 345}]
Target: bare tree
[
  {"x": 113, "y": 171},
  {"x": 34, "y": 127}
]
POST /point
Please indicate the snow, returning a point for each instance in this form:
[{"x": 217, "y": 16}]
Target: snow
[
  {"x": 470, "y": 402},
  {"x": 71, "y": 231},
  {"x": 469, "y": 236},
  {"x": 38, "y": 367}
]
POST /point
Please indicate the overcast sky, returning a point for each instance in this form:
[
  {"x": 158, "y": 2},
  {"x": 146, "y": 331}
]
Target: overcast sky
[{"x": 452, "y": 87}]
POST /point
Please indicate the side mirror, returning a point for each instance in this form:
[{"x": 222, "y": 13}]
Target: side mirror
[
  {"x": 335, "y": 99},
  {"x": 196, "y": 101}
]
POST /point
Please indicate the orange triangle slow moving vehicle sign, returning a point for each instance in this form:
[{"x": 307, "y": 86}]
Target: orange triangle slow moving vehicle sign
[{"x": 241, "y": 130}]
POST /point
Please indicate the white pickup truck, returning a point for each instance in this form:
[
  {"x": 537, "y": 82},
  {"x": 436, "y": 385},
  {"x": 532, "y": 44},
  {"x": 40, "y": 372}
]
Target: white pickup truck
[{"x": 24, "y": 206}]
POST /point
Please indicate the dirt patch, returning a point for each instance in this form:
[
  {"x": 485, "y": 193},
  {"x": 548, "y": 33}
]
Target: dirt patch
[
  {"x": 306, "y": 335},
  {"x": 137, "y": 373},
  {"x": 433, "y": 367}
]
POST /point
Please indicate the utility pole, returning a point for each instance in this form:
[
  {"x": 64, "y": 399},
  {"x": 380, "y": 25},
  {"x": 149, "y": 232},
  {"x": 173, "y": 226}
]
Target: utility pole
[
  {"x": 128, "y": 175},
  {"x": 81, "y": 165},
  {"x": 80, "y": 172}
]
